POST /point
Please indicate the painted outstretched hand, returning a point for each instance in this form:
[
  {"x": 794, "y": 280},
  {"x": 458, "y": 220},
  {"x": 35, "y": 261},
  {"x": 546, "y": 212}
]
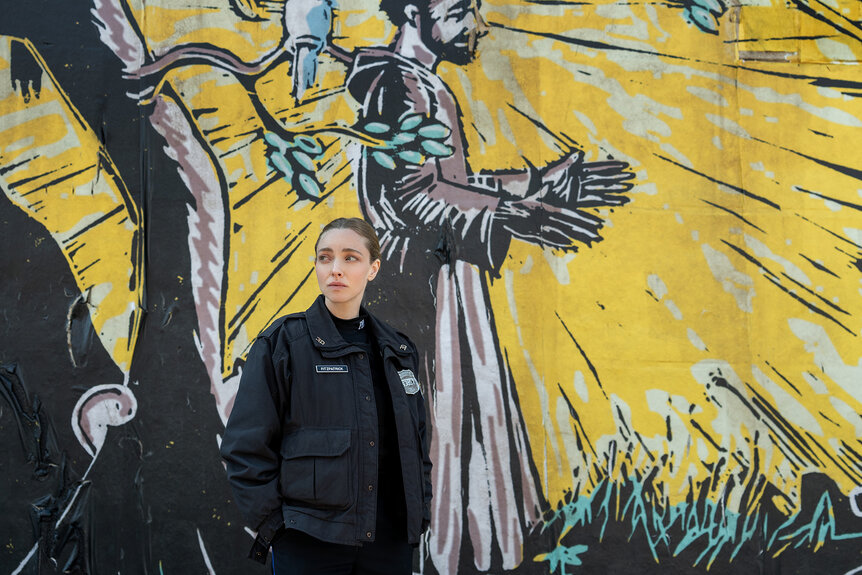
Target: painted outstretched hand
[
  {"x": 573, "y": 183},
  {"x": 552, "y": 214}
]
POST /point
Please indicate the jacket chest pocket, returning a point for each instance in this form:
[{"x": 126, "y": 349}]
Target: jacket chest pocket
[{"x": 316, "y": 470}]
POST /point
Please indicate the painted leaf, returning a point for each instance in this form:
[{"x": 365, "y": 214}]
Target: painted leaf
[
  {"x": 307, "y": 144},
  {"x": 403, "y": 138},
  {"x": 383, "y": 159},
  {"x": 309, "y": 185},
  {"x": 281, "y": 164},
  {"x": 411, "y": 157},
  {"x": 411, "y": 122},
  {"x": 435, "y": 131},
  {"x": 437, "y": 149},
  {"x": 376, "y": 128},
  {"x": 303, "y": 160}
]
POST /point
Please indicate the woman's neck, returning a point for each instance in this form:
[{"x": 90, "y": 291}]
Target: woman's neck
[{"x": 344, "y": 310}]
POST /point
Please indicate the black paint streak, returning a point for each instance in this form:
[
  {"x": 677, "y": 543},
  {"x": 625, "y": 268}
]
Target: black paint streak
[
  {"x": 581, "y": 433},
  {"x": 278, "y": 312},
  {"x": 847, "y": 29},
  {"x": 828, "y": 198},
  {"x": 842, "y": 238},
  {"x": 731, "y": 212},
  {"x": 817, "y": 295},
  {"x": 776, "y": 281},
  {"x": 793, "y": 442},
  {"x": 241, "y": 312},
  {"x": 819, "y": 266},
  {"x": 846, "y": 170},
  {"x": 737, "y": 189},
  {"x": 821, "y": 134},
  {"x": 784, "y": 379},
  {"x": 540, "y": 125},
  {"x": 852, "y": 474},
  {"x": 584, "y": 355},
  {"x": 92, "y": 225}
]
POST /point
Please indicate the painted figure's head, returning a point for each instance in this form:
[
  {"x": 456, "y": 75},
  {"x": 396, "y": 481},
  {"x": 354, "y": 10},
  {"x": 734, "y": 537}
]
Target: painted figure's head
[
  {"x": 448, "y": 28},
  {"x": 347, "y": 257}
]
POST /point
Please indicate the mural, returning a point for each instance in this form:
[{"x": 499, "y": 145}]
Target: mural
[{"x": 626, "y": 237}]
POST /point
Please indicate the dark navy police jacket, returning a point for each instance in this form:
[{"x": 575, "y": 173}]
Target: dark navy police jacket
[{"x": 300, "y": 445}]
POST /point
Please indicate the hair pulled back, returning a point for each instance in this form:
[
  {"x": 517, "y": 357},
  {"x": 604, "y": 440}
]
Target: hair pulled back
[{"x": 358, "y": 225}]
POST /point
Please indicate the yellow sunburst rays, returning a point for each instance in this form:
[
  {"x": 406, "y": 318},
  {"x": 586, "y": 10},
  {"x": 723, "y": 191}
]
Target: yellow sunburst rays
[{"x": 724, "y": 254}]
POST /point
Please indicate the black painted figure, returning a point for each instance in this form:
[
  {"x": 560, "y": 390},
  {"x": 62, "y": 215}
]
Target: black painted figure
[{"x": 326, "y": 446}]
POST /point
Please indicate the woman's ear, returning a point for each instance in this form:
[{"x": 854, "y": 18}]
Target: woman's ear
[
  {"x": 375, "y": 267},
  {"x": 411, "y": 11}
]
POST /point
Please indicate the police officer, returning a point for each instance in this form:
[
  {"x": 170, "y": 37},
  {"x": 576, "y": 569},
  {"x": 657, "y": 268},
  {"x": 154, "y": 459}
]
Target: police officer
[{"x": 326, "y": 447}]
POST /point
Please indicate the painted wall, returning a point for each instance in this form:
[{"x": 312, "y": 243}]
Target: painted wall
[{"x": 627, "y": 237}]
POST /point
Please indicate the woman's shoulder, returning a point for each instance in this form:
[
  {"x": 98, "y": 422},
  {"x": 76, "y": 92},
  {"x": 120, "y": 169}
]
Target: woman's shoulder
[{"x": 292, "y": 325}]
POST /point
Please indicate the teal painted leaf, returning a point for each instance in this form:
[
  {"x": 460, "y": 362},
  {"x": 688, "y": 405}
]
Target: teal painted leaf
[
  {"x": 703, "y": 18},
  {"x": 383, "y": 159},
  {"x": 412, "y": 157},
  {"x": 410, "y": 122},
  {"x": 437, "y": 149},
  {"x": 714, "y": 6},
  {"x": 376, "y": 128},
  {"x": 276, "y": 141},
  {"x": 403, "y": 138},
  {"x": 281, "y": 164},
  {"x": 303, "y": 160},
  {"x": 309, "y": 185},
  {"x": 308, "y": 144},
  {"x": 435, "y": 131}
]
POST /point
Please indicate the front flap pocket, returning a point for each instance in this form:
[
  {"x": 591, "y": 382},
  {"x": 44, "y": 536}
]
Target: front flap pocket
[
  {"x": 316, "y": 470},
  {"x": 315, "y": 443}
]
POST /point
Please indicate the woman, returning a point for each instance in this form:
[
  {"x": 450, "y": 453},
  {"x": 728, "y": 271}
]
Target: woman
[{"x": 326, "y": 446}]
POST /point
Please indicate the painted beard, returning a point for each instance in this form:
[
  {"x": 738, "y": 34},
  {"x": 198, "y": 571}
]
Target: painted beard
[{"x": 460, "y": 50}]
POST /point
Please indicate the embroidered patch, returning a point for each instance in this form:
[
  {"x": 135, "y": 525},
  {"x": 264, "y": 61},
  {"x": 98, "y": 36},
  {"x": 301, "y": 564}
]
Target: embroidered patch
[
  {"x": 409, "y": 381},
  {"x": 331, "y": 368},
  {"x": 403, "y": 348}
]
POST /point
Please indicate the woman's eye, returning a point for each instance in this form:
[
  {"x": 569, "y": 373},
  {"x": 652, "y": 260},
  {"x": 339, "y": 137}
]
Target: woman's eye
[{"x": 322, "y": 258}]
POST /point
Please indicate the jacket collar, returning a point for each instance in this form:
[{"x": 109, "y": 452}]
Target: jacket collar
[{"x": 325, "y": 336}]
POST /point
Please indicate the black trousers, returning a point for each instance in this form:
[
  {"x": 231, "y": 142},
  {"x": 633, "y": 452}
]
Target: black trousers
[{"x": 297, "y": 553}]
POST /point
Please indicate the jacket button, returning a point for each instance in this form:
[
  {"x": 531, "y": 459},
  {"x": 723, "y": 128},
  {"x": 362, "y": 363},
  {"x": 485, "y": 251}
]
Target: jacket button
[
  {"x": 368, "y": 534},
  {"x": 367, "y": 397},
  {"x": 371, "y": 443},
  {"x": 361, "y": 356},
  {"x": 370, "y": 488}
]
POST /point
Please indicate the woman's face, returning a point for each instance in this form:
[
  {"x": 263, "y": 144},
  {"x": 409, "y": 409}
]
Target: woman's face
[{"x": 344, "y": 267}]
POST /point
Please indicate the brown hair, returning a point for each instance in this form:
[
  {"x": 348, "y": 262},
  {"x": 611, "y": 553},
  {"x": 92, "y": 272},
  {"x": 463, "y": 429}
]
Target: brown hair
[{"x": 359, "y": 226}]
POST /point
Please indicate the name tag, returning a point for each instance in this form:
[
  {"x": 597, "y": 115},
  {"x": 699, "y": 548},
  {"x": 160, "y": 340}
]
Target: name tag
[{"x": 331, "y": 368}]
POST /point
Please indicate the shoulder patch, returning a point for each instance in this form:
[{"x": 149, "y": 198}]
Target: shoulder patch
[{"x": 409, "y": 381}]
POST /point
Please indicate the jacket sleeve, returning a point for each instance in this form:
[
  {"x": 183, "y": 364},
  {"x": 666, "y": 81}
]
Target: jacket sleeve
[
  {"x": 250, "y": 447},
  {"x": 426, "y": 456}
]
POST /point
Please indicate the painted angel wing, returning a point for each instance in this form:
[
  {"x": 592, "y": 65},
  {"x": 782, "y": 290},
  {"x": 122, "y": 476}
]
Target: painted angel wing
[{"x": 53, "y": 166}]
